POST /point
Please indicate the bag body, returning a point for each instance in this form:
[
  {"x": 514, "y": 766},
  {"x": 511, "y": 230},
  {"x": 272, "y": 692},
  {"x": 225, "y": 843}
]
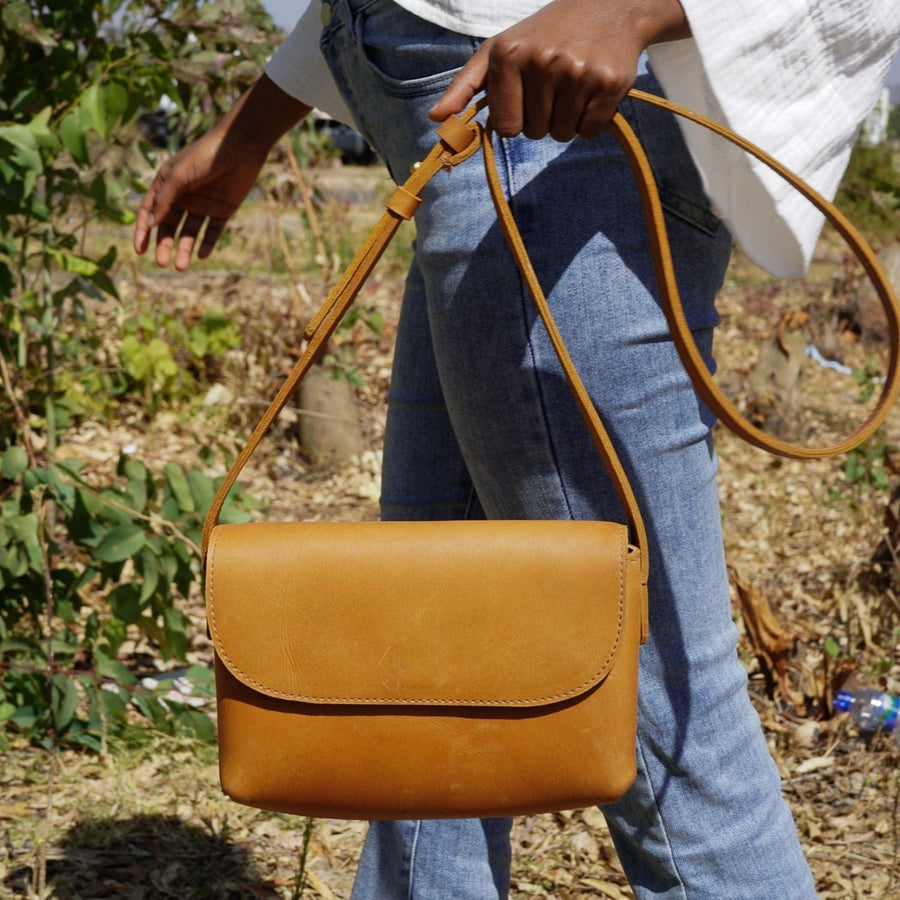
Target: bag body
[{"x": 425, "y": 669}]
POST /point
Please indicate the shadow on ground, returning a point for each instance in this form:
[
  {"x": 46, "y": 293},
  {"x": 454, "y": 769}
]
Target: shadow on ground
[{"x": 144, "y": 858}]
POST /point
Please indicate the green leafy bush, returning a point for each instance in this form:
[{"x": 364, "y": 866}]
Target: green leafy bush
[
  {"x": 870, "y": 192},
  {"x": 88, "y": 563},
  {"x": 164, "y": 356},
  {"x": 134, "y": 543}
]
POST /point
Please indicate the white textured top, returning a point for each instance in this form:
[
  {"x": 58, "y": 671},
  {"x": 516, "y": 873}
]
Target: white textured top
[{"x": 796, "y": 77}]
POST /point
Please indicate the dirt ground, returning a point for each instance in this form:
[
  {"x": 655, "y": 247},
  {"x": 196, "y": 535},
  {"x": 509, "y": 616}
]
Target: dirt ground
[{"x": 149, "y": 821}]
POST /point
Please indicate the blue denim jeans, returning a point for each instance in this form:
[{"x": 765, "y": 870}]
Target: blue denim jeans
[{"x": 481, "y": 423}]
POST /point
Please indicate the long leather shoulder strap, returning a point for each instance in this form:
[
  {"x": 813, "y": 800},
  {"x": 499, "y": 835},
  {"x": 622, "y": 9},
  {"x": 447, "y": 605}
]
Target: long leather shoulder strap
[
  {"x": 460, "y": 137},
  {"x": 681, "y": 334}
]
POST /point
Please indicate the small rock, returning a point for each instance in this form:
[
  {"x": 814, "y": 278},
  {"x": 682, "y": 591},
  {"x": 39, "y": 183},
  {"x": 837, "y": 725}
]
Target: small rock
[{"x": 329, "y": 423}]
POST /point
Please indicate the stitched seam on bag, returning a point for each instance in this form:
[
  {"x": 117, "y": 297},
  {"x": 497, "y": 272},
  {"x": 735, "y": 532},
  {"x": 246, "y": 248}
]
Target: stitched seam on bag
[{"x": 248, "y": 680}]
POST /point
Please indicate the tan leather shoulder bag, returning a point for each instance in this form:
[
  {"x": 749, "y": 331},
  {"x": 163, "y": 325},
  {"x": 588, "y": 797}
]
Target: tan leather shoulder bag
[{"x": 444, "y": 669}]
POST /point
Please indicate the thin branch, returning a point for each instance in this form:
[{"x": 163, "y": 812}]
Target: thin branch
[
  {"x": 17, "y": 410},
  {"x": 293, "y": 274},
  {"x": 306, "y": 195}
]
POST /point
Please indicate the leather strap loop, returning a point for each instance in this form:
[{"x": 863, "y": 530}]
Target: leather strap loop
[
  {"x": 456, "y": 134},
  {"x": 403, "y": 203},
  {"x": 681, "y": 334}
]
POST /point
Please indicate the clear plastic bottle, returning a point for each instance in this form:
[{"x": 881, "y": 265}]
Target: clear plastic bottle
[{"x": 870, "y": 710}]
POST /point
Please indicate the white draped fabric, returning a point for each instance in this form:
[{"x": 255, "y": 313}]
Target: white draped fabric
[{"x": 796, "y": 77}]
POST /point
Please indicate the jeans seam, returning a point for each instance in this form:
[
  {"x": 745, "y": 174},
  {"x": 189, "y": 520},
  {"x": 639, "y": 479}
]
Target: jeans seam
[
  {"x": 414, "y": 844},
  {"x": 662, "y": 822},
  {"x": 525, "y": 299}
]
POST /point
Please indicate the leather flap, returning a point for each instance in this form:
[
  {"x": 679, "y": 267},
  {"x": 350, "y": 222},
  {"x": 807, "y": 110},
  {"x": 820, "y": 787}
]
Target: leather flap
[{"x": 511, "y": 613}]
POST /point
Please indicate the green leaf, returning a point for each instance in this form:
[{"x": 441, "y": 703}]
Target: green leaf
[
  {"x": 133, "y": 469},
  {"x": 176, "y": 624},
  {"x": 85, "y": 739},
  {"x": 63, "y": 701},
  {"x": 104, "y": 105},
  {"x": 152, "y": 708},
  {"x": 91, "y": 102},
  {"x": 25, "y": 148},
  {"x": 203, "y": 679},
  {"x": 203, "y": 489},
  {"x": 71, "y": 131},
  {"x": 24, "y": 531},
  {"x": 6, "y": 710},
  {"x": 76, "y": 265},
  {"x": 39, "y": 127},
  {"x": 85, "y": 526},
  {"x": 195, "y": 723},
  {"x": 115, "y": 102},
  {"x": 114, "y": 670},
  {"x": 232, "y": 514},
  {"x": 66, "y": 611},
  {"x": 149, "y": 569},
  {"x": 25, "y": 717},
  {"x": 121, "y": 543},
  {"x": 114, "y": 704},
  {"x": 22, "y": 646},
  {"x": 125, "y": 603},
  {"x": 180, "y": 487},
  {"x": 14, "y": 462},
  {"x": 139, "y": 483},
  {"x": 114, "y": 634},
  {"x": 18, "y": 18}
]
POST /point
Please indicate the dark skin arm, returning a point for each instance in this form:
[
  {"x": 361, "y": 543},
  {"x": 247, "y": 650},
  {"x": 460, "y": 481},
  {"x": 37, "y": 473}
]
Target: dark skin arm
[
  {"x": 561, "y": 71},
  {"x": 208, "y": 180}
]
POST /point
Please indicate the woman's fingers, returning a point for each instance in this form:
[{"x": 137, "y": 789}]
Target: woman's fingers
[
  {"x": 187, "y": 238},
  {"x": 181, "y": 233},
  {"x": 145, "y": 221},
  {"x": 214, "y": 229},
  {"x": 469, "y": 81}
]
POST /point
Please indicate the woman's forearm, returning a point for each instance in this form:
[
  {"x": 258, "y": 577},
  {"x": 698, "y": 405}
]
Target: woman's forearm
[{"x": 262, "y": 115}]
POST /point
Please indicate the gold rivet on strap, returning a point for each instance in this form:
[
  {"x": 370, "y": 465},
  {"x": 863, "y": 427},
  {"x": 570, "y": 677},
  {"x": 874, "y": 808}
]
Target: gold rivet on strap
[{"x": 403, "y": 202}]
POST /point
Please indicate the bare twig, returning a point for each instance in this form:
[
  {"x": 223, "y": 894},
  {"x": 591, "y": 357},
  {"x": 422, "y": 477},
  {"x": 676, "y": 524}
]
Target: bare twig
[
  {"x": 49, "y": 607},
  {"x": 293, "y": 274},
  {"x": 895, "y": 819}
]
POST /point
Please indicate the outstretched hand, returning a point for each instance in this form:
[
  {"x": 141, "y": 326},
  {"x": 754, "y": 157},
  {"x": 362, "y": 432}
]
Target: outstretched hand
[
  {"x": 563, "y": 70},
  {"x": 202, "y": 185},
  {"x": 195, "y": 193}
]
